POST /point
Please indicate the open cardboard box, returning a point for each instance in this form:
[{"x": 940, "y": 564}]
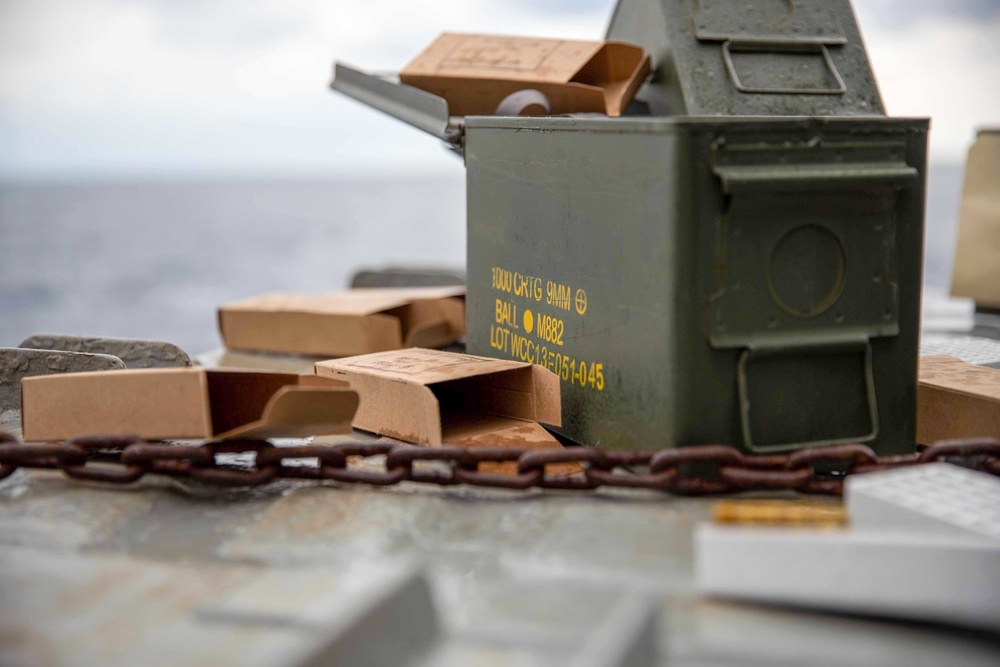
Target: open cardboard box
[
  {"x": 184, "y": 403},
  {"x": 357, "y": 321},
  {"x": 956, "y": 399},
  {"x": 474, "y": 73},
  {"x": 432, "y": 397}
]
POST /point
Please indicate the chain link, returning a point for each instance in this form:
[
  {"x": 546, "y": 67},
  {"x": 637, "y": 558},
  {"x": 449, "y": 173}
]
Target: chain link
[{"x": 694, "y": 470}]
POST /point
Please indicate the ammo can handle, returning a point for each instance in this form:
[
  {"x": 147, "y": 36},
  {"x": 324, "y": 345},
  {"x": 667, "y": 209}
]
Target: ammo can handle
[
  {"x": 861, "y": 346},
  {"x": 829, "y": 176},
  {"x": 781, "y": 47}
]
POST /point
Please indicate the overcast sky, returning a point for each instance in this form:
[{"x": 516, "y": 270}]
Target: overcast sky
[{"x": 112, "y": 88}]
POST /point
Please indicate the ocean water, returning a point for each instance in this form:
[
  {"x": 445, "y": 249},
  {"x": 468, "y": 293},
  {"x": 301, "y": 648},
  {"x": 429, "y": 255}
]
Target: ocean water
[{"x": 154, "y": 260}]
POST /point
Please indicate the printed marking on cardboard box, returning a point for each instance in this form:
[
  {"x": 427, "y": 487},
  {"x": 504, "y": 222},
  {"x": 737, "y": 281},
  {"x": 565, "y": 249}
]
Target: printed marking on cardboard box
[
  {"x": 415, "y": 362},
  {"x": 499, "y": 53}
]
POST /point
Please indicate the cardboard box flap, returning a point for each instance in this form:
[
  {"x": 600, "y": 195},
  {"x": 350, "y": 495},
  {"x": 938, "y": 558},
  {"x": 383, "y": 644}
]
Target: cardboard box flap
[
  {"x": 548, "y": 399},
  {"x": 406, "y": 411},
  {"x": 475, "y": 72},
  {"x": 412, "y": 394},
  {"x": 184, "y": 403},
  {"x": 267, "y": 405},
  {"x": 301, "y": 412}
]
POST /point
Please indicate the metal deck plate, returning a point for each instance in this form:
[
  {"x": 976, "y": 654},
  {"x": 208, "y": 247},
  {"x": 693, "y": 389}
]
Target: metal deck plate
[{"x": 170, "y": 572}]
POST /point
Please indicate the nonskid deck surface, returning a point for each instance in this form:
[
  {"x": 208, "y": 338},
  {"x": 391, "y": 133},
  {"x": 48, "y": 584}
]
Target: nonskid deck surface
[{"x": 175, "y": 572}]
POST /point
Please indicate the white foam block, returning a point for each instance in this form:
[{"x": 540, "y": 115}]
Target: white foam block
[
  {"x": 906, "y": 576},
  {"x": 970, "y": 349},
  {"x": 923, "y": 545},
  {"x": 931, "y": 498}
]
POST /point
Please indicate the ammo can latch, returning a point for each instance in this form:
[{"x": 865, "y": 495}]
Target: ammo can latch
[{"x": 807, "y": 276}]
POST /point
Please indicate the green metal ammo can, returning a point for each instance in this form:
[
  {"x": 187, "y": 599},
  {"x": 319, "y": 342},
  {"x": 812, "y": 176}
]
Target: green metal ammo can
[{"x": 737, "y": 260}]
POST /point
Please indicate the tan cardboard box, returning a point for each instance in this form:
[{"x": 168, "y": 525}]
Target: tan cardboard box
[
  {"x": 432, "y": 397},
  {"x": 475, "y": 72},
  {"x": 184, "y": 403},
  {"x": 956, "y": 400},
  {"x": 357, "y": 321},
  {"x": 976, "y": 272}
]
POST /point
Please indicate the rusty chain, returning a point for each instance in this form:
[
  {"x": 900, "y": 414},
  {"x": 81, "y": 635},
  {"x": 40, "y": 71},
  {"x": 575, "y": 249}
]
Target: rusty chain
[{"x": 696, "y": 470}]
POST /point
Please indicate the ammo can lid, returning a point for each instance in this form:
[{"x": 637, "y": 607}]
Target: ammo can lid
[{"x": 751, "y": 57}]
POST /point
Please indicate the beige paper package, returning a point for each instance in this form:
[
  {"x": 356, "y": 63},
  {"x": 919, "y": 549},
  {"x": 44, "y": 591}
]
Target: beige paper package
[{"x": 976, "y": 273}]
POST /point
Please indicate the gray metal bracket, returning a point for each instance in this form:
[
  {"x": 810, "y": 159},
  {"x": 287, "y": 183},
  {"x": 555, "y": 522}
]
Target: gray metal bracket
[
  {"x": 49, "y": 354},
  {"x": 17, "y": 363},
  {"x": 136, "y": 353}
]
